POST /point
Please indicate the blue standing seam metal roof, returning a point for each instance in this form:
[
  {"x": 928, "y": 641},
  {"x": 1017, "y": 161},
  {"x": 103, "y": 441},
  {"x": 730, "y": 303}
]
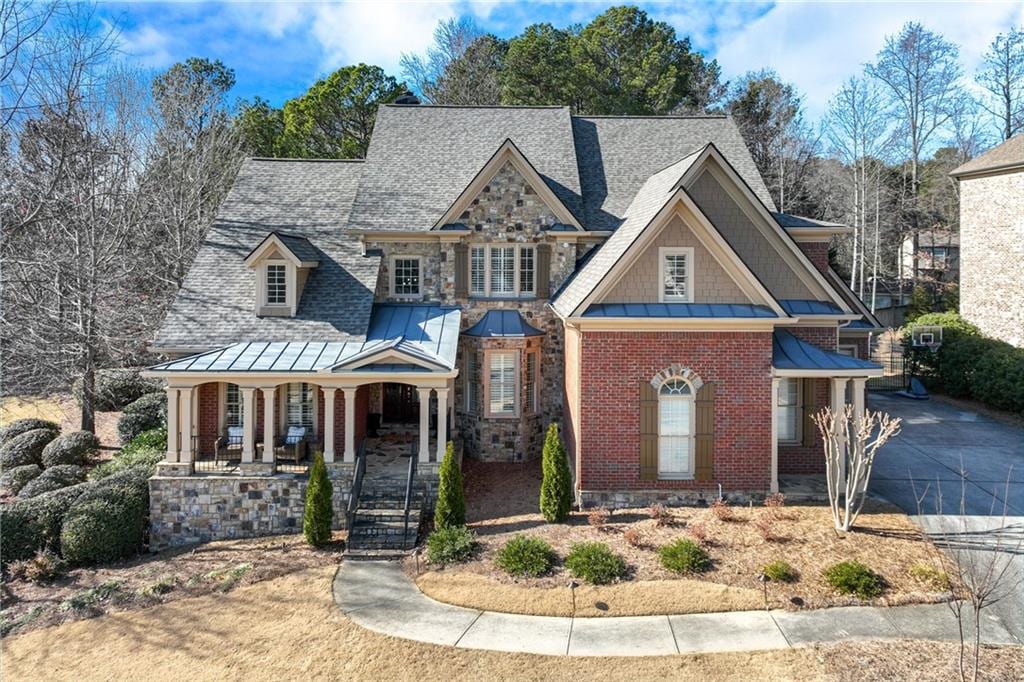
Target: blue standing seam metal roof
[
  {"x": 789, "y": 352},
  {"x": 795, "y": 306},
  {"x": 502, "y": 323},
  {"x": 425, "y": 332},
  {"x": 858, "y": 324},
  {"x": 713, "y": 310}
]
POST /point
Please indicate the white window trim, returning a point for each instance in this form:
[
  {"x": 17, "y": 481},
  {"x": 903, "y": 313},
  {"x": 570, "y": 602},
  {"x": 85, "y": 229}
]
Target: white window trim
[
  {"x": 393, "y": 274},
  {"x": 281, "y": 396},
  {"x": 535, "y": 398},
  {"x": 798, "y": 435},
  {"x": 849, "y": 347},
  {"x": 472, "y": 384},
  {"x": 674, "y": 251},
  {"x": 517, "y": 291},
  {"x": 516, "y": 389},
  {"x": 692, "y": 399},
  {"x": 291, "y": 283}
]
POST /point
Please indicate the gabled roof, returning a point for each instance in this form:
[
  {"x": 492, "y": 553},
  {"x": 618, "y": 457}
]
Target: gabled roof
[
  {"x": 868, "y": 321},
  {"x": 792, "y": 354},
  {"x": 1005, "y": 157},
  {"x": 305, "y": 199},
  {"x": 798, "y": 223},
  {"x": 293, "y": 247},
  {"x": 502, "y": 323}
]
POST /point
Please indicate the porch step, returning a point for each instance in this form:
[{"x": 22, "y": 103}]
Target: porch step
[{"x": 375, "y": 553}]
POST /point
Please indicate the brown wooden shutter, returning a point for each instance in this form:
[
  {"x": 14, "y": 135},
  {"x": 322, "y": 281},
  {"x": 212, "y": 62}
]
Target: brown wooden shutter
[
  {"x": 705, "y": 434},
  {"x": 808, "y": 410},
  {"x": 461, "y": 271},
  {"x": 543, "y": 270},
  {"x": 648, "y": 432}
]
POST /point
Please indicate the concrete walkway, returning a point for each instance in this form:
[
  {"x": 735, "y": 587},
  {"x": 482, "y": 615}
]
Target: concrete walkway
[{"x": 378, "y": 596}]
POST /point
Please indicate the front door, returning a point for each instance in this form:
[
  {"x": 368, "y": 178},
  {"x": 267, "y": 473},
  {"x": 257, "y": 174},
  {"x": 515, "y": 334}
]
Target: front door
[{"x": 401, "y": 404}]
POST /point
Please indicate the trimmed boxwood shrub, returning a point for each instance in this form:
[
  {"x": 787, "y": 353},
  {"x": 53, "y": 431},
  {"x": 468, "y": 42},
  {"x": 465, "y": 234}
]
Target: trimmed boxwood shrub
[
  {"x": 684, "y": 556},
  {"x": 450, "y": 545},
  {"x": 779, "y": 571},
  {"x": 853, "y": 577},
  {"x": 148, "y": 412},
  {"x": 34, "y": 524},
  {"x": 20, "y": 426},
  {"x": 77, "y": 447},
  {"x": 39, "y": 486},
  {"x": 116, "y": 388},
  {"x": 26, "y": 448},
  {"x": 595, "y": 563},
  {"x": 108, "y": 521},
  {"x": 525, "y": 555},
  {"x": 14, "y": 479},
  {"x": 54, "y": 478}
]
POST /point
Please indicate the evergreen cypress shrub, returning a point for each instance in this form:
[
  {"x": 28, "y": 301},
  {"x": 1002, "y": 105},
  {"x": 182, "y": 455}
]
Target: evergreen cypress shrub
[
  {"x": 450, "y": 510},
  {"x": 779, "y": 571},
  {"x": 20, "y": 426},
  {"x": 26, "y": 448},
  {"x": 77, "y": 447},
  {"x": 556, "y": 485},
  {"x": 316, "y": 518}
]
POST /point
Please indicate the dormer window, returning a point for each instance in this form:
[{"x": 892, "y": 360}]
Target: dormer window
[
  {"x": 406, "y": 278},
  {"x": 277, "y": 286},
  {"x": 282, "y": 265}
]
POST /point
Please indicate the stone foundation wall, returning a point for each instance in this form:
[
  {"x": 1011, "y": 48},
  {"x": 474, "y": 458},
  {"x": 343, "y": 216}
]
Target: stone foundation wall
[{"x": 589, "y": 499}]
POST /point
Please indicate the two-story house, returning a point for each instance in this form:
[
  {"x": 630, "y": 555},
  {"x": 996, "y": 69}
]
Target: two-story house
[{"x": 484, "y": 272}]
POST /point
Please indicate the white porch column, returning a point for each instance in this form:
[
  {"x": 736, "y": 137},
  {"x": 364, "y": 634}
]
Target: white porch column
[
  {"x": 329, "y": 392},
  {"x": 248, "y": 422},
  {"x": 350, "y": 424},
  {"x": 775, "y": 435},
  {"x": 442, "y": 422},
  {"x": 838, "y": 401},
  {"x": 424, "y": 454},
  {"x": 859, "y": 386},
  {"x": 172, "y": 424},
  {"x": 185, "y": 414},
  {"x": 268, "y": 423}
]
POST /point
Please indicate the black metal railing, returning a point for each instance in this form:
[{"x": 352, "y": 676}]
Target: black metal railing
[
  {"x": 223, "y": 458},
  {"x": 357, "y": 485},
  {"x": 408, "y": 494}
]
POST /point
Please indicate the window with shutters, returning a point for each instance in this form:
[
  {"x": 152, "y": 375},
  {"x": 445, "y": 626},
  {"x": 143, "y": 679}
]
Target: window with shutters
[
  {"x": 787, "y": 414},
  {"x": 503, "y": 271},
  {"x": 676, "y": 274},
  {"x": 299, "y": 402},
  {"x": 675, "y": 429},
  {"x": 233, "y": 414},
  {"x": 472, "y": 383},
  {"x": 502, "y": 384}
]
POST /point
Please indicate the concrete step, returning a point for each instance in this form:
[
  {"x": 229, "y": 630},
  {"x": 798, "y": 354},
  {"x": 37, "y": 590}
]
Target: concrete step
[{"x": 369, "y": 554}]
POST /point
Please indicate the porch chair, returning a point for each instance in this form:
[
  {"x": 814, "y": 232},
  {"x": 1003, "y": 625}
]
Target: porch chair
[
  {"x": 229, "y": 447},
  {"x": 293, "y": 446}
]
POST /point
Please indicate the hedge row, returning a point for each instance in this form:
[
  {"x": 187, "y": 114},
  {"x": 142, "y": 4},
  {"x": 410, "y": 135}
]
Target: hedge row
[
  {"x": 146, "y": 413},
  {"x": 969, "y": 365}
]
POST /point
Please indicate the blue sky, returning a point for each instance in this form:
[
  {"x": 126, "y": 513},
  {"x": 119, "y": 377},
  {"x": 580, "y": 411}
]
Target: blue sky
[{"x": 278, "y": 48}]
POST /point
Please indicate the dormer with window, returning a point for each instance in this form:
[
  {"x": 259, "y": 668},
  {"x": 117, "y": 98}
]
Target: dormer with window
[{"x": 282, "y": 263}]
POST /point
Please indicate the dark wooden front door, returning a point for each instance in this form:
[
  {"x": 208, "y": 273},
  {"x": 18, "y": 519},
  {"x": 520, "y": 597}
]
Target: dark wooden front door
[{"x": 401, "y": 403}]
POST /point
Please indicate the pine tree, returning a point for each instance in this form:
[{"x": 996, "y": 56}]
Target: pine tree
[
  {"x": 556, "y": 486},
  {"x": 316, "y": 519},
  {"x": 450, "y": 510}
]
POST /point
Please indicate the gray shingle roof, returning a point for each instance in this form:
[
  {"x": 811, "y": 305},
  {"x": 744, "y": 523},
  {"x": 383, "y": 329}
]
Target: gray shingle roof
[
  {"x": 618, "y": 154},
  {"x": 309, "y": 200},
  {"x": 1008, "y": 155}
]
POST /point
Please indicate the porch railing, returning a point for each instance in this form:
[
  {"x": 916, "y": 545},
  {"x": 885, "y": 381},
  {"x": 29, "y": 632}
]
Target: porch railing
[
  {"x": 357, "y": 485},
  {"x": 408, "y": 494},
  {"x": 209, "y": 460}
]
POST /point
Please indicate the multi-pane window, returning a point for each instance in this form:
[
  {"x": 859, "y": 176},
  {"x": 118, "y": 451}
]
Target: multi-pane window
[
  {"x": 472, "y": 384},
  {"x": 788, "y": 410},
  {"x": 675, "y": 428},
  {"x": 406, "y": 276},
  {"x": 277, "y": 288},
  {"x": 503, "y": 271},
  {"x": 531, "y": 382},
  {"x": 676, "y": 274},
  {"x": 299, "y": 401},
  {"x": 233, "y": 414},
  {"x": 502, "y": 383}
]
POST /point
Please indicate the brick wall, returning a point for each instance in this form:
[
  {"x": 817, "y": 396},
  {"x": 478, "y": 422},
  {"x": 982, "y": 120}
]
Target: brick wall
[
  {"x": 817, "y": 252},
  {"x": 801, "y": 459},
  {"x": 614, "y": 364},
  {"x": 208, "y": 426}
]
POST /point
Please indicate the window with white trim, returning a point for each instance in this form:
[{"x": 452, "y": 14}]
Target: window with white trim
[
  {"x": 787, "y": 410},
  {"x": 503, "y": 270},
  {"x": 531, "y": 381},
  {"x": 299, "y": 405},
  {"x": 277, "y": 285},
  {"x": 676, "y": 274},
  {"x": 501, "y": 383},
  {"x": 472, "y": 383},
  {"x": 676, "y": 416},
  {"x": 233, "y": 410},
  {"x": 405, "y": 277}
]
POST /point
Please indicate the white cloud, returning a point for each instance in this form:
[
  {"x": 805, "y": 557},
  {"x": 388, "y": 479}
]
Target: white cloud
[{"x": 148, "y": 45}]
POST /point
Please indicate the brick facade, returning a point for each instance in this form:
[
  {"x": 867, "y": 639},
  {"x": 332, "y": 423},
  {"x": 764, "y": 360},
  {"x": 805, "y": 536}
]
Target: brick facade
[{"x": 817, "y": 252}]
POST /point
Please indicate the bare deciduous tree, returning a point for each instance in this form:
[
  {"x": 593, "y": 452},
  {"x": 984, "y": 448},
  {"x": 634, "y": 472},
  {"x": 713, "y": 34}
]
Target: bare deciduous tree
[
  {"x": 1002, "y": 76},
  {"x": 21, "y": 22},
  {"x": 452, "y": 38}
]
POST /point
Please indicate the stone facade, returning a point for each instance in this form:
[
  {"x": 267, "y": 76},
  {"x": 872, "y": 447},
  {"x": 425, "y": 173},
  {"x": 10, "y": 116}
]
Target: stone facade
[{"x": 992, "y": 254}]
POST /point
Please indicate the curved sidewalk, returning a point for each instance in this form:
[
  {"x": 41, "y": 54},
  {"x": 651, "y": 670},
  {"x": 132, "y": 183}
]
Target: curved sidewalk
[{"x": 378, "y": 596}]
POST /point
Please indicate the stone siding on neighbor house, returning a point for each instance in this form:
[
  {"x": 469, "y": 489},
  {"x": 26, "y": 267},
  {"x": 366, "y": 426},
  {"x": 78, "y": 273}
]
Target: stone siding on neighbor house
[{"x": 992, "y": 255}]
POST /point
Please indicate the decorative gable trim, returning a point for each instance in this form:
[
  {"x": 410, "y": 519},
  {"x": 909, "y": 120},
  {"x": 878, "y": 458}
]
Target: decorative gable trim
[
  {"x": 508, "y": 152},
  {"x": 274, "y": 241},
  {"x": 274, "y": 250}
]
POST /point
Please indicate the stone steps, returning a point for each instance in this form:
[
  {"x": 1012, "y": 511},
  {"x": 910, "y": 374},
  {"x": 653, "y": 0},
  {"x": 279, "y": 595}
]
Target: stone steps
[{"x": 378, "y": 525}]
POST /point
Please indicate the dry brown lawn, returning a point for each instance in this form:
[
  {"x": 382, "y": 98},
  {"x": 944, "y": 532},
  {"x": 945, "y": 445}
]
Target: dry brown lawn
[
  {"x": 289, "y": 628},
  {"x": 63, "y": 410}
]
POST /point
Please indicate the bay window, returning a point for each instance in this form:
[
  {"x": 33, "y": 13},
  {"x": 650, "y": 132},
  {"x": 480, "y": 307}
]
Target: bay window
[{"x": 501, "y": 383}]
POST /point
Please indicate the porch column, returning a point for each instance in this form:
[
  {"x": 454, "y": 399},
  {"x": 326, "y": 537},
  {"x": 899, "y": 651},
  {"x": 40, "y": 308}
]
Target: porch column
[
  {"x": 268, "y": 423},
  {"x": 185, "y": 413},
  {"x": 838, "y": 399},
  {"x": 859, "y": 386},
  {"x": 172, "y": 424},
  {"x": 329, "y": 392},
  {"x": 248, "y": 422},
  {"x": 350, "y": 425},
  {"x": 424, "y": 454},
  {"x": 775, "y": 436},
  {"x": 442, "y": 422}
]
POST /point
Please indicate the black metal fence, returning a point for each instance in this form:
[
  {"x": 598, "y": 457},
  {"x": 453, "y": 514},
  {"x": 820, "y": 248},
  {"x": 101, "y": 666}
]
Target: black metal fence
[{"x": 895, "y": 370}]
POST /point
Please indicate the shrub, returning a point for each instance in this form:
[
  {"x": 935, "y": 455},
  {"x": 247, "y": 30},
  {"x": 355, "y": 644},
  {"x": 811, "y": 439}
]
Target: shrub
[
  {"x": 145, "y": 451},
  {"x": 116, "y": 388},
  {"x": 77, "y": 447},
  {"x": 153, "y": 439},
  {"x": 316, "y": 518},
  {"x": 450, "y": 545},
  {"x": 42, "y": 567},
  {"x": 26, "y": 448},
  {"x": 108, "y": 520},
  {"x": 22, "y": 535},
  {"x": 660, "y": 514},
  {"x": 633, "y": 536},
  {"x": 39, "y": 486},
  {"x": 722, "y": 511},
  {"x": 998, "y": 377},
  {"x": 450, "y": 509},
  {"x": 524, "y": 555},
  {"x": 765, "y": 526},
  {"x": 929, "y": 575},
  {"x": 20, "y": 426},
  {"x": 698, "y": 531},
  {"x": 853, "y": 577},
  {"x": 779, "y": 571},
  {"x": 598, "y": 517},
  {"x": 556, "y": 485},
  {"x": 54, "y": 478},
  {"x": 775, "y": 501},
  {"x": 595, "y": 563},
  {"x": 36, "y": 522},
  {"x": 684, "y": 556},
  {"x": 14, "y": 479},
  {"x": 146, "y": 413}
]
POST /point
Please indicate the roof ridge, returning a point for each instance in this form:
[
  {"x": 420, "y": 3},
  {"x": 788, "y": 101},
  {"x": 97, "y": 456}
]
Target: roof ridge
[
  {"x": 293, "y": 160},
  {"x": 476, "y": 106},
  {"x": 655, "y": 116}
]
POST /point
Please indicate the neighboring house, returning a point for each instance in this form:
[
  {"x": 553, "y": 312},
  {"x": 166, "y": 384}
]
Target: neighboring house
[
  {"x": 992, "y": 241},
  {"x": 936, "y": 258},
  {"x": 484, "y": 272}
]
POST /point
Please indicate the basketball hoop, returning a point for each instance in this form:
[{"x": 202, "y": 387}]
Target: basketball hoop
[{"x": 927, "y": 336}]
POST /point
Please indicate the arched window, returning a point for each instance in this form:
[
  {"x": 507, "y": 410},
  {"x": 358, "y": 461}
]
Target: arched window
[{"x": 675, "y": 428}]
